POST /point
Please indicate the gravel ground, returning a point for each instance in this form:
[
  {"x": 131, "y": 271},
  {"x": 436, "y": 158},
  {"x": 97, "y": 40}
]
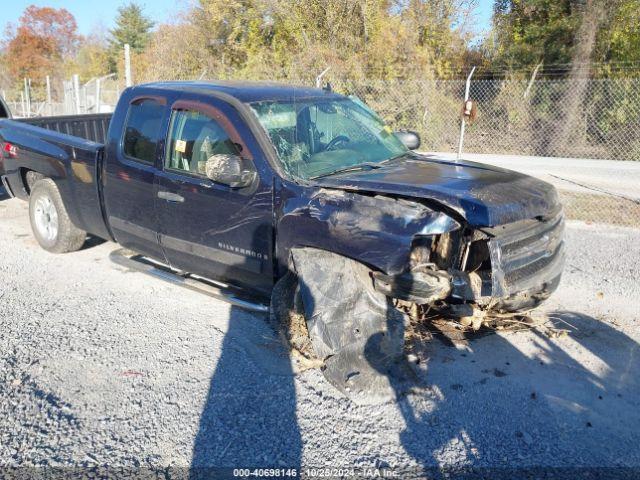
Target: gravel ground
[{"x": 100, "y": 365}]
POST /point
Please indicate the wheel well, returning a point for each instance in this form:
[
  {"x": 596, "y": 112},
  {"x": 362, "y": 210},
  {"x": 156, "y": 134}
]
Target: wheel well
[{"x": 29, "y": 178}]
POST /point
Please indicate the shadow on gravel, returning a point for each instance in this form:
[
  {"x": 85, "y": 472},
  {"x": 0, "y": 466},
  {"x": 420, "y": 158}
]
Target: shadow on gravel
[
  {"x": 92, "y": 241},
  {"x": 249, "y": 417},
  {"x": 510, "y": 405}
]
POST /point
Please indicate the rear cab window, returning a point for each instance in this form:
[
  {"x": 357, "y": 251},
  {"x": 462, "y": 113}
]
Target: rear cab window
[{"x": 142, "y": 130}]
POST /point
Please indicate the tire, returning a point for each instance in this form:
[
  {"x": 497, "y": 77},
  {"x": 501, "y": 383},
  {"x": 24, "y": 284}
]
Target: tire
[
  {"x": 287, "y": 315},
  {"x": 50, "y": 222},
  {"x": 32, "y": 178}
]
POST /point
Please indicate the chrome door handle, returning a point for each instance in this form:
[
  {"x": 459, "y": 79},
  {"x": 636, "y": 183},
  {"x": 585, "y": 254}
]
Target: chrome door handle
[{"x": 170, "y": 197}]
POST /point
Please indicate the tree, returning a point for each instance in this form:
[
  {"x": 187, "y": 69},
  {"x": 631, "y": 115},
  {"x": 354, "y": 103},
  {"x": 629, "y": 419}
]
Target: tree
[
  {"x": 44, "y": 38},
  {"x": 528, "y": 32},
  {"x": 92, "y": 58},
  {"x": 618, "y": 40},
  {"x": 176, "y": 51},
  {"x": 133, "y": 28},
  {"x": 356, "y": 38},
  {"x": 570, "y": 33}
]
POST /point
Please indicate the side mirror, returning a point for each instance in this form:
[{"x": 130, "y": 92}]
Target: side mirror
[
  {"x": 229, "y": 170},
  {"x": 410, "y": 139}
]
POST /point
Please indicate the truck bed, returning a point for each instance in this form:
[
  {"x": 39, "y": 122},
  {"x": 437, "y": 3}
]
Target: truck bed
[
  {"x": 92, "y": 127},
  {"x": 67, "y": 149}
]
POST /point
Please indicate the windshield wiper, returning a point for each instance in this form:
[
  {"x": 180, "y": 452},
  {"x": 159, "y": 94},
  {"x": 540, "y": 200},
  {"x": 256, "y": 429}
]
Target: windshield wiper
[{"x": 350, "y": 168}]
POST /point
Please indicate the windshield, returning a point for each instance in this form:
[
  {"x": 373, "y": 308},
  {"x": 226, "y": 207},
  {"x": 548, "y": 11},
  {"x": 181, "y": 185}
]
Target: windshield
[{"x": 315, "y": 137}]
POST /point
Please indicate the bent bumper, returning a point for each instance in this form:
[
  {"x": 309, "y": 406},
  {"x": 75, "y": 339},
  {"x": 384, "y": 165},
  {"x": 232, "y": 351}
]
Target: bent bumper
[{"x": 527, "y": 259}]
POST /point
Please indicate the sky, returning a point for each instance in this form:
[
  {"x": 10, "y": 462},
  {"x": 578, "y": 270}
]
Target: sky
[
  {"x": 483, "y": 15},
  {"x": 93, "y": 15}
]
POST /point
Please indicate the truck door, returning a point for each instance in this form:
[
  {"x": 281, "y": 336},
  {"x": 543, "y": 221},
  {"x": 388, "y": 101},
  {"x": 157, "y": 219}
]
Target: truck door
[
  {"x": 209, "y": 228},
  {"x": 130, "y": 191}
]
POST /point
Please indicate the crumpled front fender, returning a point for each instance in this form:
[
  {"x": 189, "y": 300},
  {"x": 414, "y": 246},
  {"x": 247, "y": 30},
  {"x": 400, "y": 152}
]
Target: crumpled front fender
[{"x": 376, "y": 230}]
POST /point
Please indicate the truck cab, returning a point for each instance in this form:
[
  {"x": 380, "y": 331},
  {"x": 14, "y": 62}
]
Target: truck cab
[{"x": 159, "y": 200}]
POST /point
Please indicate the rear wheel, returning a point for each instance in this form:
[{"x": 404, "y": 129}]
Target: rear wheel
[{"x": 50, "y": 221}]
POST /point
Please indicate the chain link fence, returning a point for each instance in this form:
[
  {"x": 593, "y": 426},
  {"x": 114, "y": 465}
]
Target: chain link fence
[
  {"x": 576, "y": 118},
  {"x": 580, "y": 118},
  {"x": 64, "y": 97},
  {"x": 565, "y": 118}
]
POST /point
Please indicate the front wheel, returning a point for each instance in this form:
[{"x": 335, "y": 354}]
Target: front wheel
[{"x": 50, "y": 222}]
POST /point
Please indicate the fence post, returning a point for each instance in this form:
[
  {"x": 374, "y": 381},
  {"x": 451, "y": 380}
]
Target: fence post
[
  {"x": 76, "y": 91},
  {"x": 27, "y": 97},
  {"x": 85, "y": 98},
  {"x": 127, "y": 65},
  {"x": 22, "y": 104},
  {"x": 319, "y": 77},
  {"x": 466, "y": 97},
  {"x": 533, "y": 79},
  {"x": 98, "y": 95},
  {"x": 49, "y": 106}
]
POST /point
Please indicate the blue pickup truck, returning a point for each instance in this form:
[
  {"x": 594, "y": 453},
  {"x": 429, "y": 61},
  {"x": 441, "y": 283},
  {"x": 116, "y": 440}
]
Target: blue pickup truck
[{"x": 257, "y": 185}]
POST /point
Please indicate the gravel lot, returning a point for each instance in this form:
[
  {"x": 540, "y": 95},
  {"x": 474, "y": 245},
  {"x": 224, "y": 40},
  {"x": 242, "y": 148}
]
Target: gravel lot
[{"x": 100, "y": 365}]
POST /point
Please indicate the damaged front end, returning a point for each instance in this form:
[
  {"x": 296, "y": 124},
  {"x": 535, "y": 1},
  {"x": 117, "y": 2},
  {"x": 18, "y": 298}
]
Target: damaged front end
[
  {"x": 406, "y": 259},
  {"x": 477, "y": 272}
]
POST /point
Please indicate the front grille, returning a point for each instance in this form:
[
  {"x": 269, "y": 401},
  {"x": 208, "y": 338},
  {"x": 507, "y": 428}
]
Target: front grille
[{"x": 526, "y": 254}]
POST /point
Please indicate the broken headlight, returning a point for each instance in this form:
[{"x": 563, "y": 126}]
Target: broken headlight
[{"x": 433, "y": 244}]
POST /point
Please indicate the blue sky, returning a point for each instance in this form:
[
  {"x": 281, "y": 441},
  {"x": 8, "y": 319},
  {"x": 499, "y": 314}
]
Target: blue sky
[
  {"x": 94, "y": 14},
  {"x": 484, "y": 13},
  {"x": 100, "y": 14}
]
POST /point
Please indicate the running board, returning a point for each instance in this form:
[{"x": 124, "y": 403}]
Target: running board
[{"x": 221, "y": 291}]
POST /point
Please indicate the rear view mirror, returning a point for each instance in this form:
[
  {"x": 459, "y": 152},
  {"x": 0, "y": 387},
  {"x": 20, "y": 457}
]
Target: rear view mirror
[
  {"x": 228, "y": 170},
  {"x": 410, "y": 139}
]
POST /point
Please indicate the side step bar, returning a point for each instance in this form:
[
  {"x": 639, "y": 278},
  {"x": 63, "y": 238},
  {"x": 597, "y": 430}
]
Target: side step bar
[{"x": 221, "y": 291}]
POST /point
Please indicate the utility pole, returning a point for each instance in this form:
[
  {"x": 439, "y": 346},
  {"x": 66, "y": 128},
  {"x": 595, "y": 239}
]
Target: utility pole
[{"x": 127, "y": 65}]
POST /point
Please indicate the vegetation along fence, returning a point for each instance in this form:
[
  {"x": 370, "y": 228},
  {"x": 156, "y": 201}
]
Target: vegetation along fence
[{"x": 582, "y": 118}]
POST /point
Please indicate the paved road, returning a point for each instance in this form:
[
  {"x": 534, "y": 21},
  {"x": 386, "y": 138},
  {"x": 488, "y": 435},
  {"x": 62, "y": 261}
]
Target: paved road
[
  {"x": 100, "y": 365},
  {"x": 622, "y": 178}
]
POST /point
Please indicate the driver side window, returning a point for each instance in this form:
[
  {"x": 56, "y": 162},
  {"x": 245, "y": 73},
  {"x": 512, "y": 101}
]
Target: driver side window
[{"x": 194, "y": 138}]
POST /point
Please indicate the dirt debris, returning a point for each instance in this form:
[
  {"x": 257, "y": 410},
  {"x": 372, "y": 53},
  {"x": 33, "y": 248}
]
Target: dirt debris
[
  {"x": 424, "y": 326},
  {"x": 287, "y": 319},
  {"x": 431, "y": 323}
]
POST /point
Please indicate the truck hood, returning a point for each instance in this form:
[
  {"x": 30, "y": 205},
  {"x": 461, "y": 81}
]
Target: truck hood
[{"x": 483, "y": 195}]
